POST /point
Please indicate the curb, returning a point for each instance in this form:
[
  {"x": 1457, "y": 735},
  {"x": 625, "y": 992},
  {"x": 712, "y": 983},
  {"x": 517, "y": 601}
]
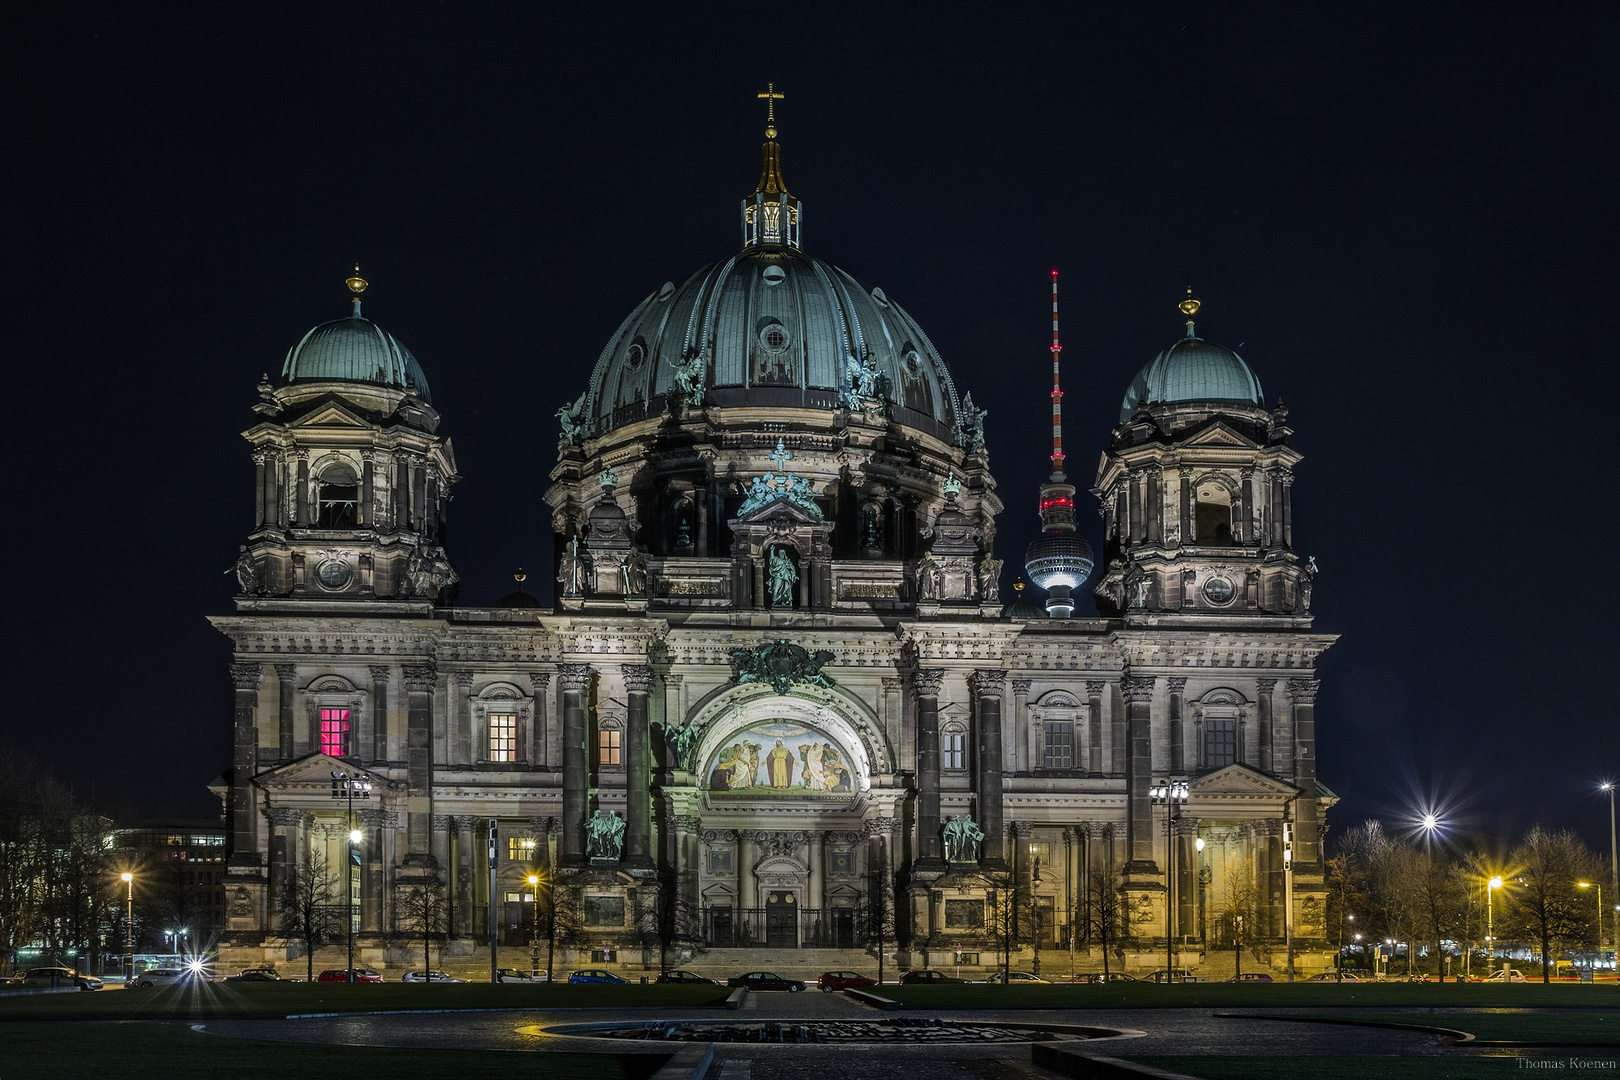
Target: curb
[
  {"x": 738, "y": 996},
  {"x": 1459, "y": 1036},
  {"x": 689, "y": 1063},
  {"x": 1063, "y": 1058},
  {"x": 875, "y": 1000}
]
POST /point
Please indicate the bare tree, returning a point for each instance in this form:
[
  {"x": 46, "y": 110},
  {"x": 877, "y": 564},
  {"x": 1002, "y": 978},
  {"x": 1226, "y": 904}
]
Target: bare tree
[
  {"x": 669, "y": 919},
  {"x": 1544, "y": 901},
  {"x": 1105, "y": 916},
  {"x": 1239, "y": 922},
  {"x": 423, "y": 911},
  {"x": 881, "y": 927},
  {"x": 308, "y": 906}
]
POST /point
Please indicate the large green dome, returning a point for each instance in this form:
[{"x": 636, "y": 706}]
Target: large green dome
[
  {"x": 354, "y": 350},
  {"x": 1193, "y": 371}
]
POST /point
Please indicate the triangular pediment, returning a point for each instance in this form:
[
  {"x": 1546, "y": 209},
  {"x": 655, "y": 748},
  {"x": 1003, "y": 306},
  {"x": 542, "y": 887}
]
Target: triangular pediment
[
  {"x": 1240, "y": 781},
  {"x": 310, "y": 772},
  {"x": 330, "y": 414},
  {"x": 782, "y": 509},
  {"x": 1217, "y": 433}
]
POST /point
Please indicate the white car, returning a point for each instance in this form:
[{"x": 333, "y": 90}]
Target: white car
[
  {"x": 429, "y": 976},
  {"x": 168, "y": 976},
  {"x": 1509, "y": 975}
]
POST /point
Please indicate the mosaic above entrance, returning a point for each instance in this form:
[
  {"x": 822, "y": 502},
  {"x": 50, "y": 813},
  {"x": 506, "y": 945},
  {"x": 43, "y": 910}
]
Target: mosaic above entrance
[{"x": 782, "y": 759}]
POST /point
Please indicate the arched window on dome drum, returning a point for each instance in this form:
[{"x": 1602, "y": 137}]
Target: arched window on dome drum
[
  {"x": 337, "y": 498},
  {"x": 1212, "y": 514}
]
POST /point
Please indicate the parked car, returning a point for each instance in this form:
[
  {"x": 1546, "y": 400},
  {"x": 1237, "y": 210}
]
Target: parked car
[
  {"x": 766, "y": 980},
  {"x": 168, "y": 976},
  {"x": 686, "y": 977},
  {"x": 519, "y": 975},
  {"x": 1333, "y": 976},
  {"x": 255, "y": 975},
  {"x": 1013, "y": 978},
  {"x": 1506, "y": 975},
  {"x": 925, "y": 977},
  {"x": 1251, "y": 977},
  {"x": 843, "y": 980},
  {"x": 361, "y": 975},
  {"x": 1108, "y": 977},
  {"x": 595, "y": 975},
  {"x": 1172, "y": 975},
  {"x": 425, "y": 976},
  {"x": 51, "y": 978}
]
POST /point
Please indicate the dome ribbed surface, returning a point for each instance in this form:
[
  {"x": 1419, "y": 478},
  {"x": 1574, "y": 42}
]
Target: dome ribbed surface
[
  {"x": 1022, "y": 609},
  {"x": 1193, "y": 370},
  {"x": 354, "y": 350},
  {"x": 773, "y": 327}
]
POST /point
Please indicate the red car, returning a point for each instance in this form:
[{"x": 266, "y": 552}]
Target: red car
[
  {"x": 843, "y": 980},
  {"x": 361, "y": 975}
]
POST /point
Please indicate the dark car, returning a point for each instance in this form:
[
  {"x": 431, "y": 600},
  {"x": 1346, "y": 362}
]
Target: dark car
[
  {"x": 361, "y": 975},
  {"x": 1013, "y": 978},
  {"x": 843, "y": 980},
  {"x": 1250, "y": 977},
  {"x": 595, "y": 975},
  {"x": 59, "y": 978},
  {"x": 1108, "y": 977},
  {"x": 766, "y": 980},
  {"x": 686, "y": 977},
  {"x": 255, "y": 975},
  {"x": 925, "y": 977}
]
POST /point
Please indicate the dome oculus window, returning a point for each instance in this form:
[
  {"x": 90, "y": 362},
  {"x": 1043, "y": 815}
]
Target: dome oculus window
[
  {"x": 773, "y": 275},
  {"x": 774, "y": 337},
  {"x": 636, "y": 355}
]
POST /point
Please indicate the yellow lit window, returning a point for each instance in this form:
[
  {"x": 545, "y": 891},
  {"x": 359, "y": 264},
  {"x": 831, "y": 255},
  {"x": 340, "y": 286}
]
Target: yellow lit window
[{"x": 609, "y": 751}]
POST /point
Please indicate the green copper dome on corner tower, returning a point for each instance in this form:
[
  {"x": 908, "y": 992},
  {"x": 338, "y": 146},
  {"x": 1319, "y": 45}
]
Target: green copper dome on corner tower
[
  {"x": 354, "y": 349},
  {"x": 1193, "y": 371}
]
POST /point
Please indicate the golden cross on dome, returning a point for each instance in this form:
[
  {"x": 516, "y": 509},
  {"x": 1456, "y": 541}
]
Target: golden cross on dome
[{"x": 770, "y": 97}]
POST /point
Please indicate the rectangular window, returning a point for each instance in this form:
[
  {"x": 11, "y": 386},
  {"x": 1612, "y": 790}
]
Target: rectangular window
[
  {"x": 955, "y": 750},
  {"x": 520, "y": 849},
  {"x": 604, "y": 911},
  {"x": 609, "y": 751},
  {"x": 964, "y": 914},
  {"x": 335, "y": 732},
  {"x": 1220, "y": 743},
  {"x": 503, "y": 736},
  {"x": 1057, "y": 748}
]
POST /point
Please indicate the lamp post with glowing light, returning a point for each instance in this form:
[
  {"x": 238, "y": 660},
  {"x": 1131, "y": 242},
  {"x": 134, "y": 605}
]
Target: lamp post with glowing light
[
  {"x": 1490, "y": 919},
  {"x": 1172, "y": 795},
  {"x": 1429, "y": 823},
  {"x": 1599, "y": 888},
  {"x": 129, "y": 927},
  {"x": 1614, "y": 875},
  {"x": 349, "y": 788},
  {"x": 534, "y": 933}
]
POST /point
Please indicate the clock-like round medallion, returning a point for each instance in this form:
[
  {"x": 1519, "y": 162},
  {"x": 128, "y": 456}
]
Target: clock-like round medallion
[
  {"x": 1219, "y": 590},
  {"x": 335, "y": 574}
]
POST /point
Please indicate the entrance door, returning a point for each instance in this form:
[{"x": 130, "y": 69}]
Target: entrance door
[
  {"x": 781, "y": 921},
  {"x": 843, "y": 928}
]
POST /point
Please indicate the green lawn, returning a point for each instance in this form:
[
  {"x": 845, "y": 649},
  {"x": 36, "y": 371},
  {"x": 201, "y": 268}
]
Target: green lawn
[
  {"x": 52, "y": 1051},
  {"x": 1227, "y": 996},
  {"x": 250, "y": 1001},
  {"x": 1417, "y": 1067}
]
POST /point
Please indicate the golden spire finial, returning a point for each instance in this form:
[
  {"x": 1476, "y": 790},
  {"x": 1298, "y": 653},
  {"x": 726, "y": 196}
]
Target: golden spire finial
[
  {"x": 356, "y": 284},
  {"x": 1189, "y": 307},
  {"x": 520, "y": 577},
  {"x": 770, "y": 97}
]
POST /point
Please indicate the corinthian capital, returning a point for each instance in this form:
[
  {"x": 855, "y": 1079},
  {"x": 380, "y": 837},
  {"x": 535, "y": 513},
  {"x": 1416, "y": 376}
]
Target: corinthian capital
[
  {"x": 925, "y": 681},
  {"x": 1303, "y": 691},
  {"x": 246, "y": 676},
  {"x": 1137, "y": 688},
  {"x": 575, "y": 677},
  {"x": 419, "y": 678},
  {"x": 988, "y": 682},
  {"x": 637, "y": 677}
]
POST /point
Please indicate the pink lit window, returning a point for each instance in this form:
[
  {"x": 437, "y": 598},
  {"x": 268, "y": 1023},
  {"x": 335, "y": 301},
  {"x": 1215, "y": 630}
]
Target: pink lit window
[{"x": 335, "y": 732}]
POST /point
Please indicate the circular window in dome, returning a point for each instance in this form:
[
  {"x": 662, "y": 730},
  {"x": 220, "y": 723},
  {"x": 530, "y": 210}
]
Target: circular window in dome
[
  {"x": 877, "y": 294},
  {"x": 666, "y": 291},
  {"x": 334, "y": 574},
  {"x": 1219, "y": 590},
  {"x": 911, "y": 361},
  {"x": 637, "y": 355},
  {"x": 774, "y": 337},
  {"x": 774, "y": 275}
]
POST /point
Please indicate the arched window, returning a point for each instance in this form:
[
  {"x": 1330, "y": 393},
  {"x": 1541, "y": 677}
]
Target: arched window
[
  {"x": 610, "y": 745},
  {"x": 337, "y": 498},
  {"x": 953, "y": 747},
  {"x": 1212, "y": 514}
]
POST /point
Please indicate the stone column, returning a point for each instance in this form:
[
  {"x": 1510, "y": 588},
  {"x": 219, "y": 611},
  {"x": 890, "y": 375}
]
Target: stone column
[
  {"x": 1307, "y": 854},
  {"x": 637, "y": 769},
  {"x": 1138, "y": 693},
  {"x": 379, "y": 708},
  {"x": 286, "y": 701},
  {"x": 1185, "y": 518},
  {"x": 460, "y": 751},
  {"x": 373, "y": 822},
  {"x": 1117, "y": 740},
  {"x": 818, "y": 883},
  {"x": 1186, "y": 873},
  {"x": 575, "y": 680},
  {"x": 1155, "y": 500},
  {"x": 1024, "y": 877},
  {"x": 366, "y": 510},
  {"x": 1178, "y": 752},
  {"x": 674, "y": 701},
  {"x": 245, "y": 761},
  {"x": 419, "y": 683},
  {"x": 1094, "y": 725},
  {"x": 537, "y": 743},
  {"x": 261, "y": 491},
  {"x": 1245, "y": 519},
  {"x": 1288, "y": 510},
  {"x": 925, "y": 688},
  {"x": 700, "y": 497},
  {"x": 988, "y": 686},
  {"x": 401, "y": 501},
  {"x": 301, "y": 514},
  {"x": 464, "y": 877},
  {"x": 901, "y": 734},
  {"x": 747, "y": 887},
  {"x": 1265, "y": 722},
  {"x": 283, "y": 855},
  {"x": 443, "y": 828},
  {"x": 1018, "y": 761}
]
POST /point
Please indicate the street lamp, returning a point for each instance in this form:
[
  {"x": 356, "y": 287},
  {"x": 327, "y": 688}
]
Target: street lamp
[
  {"x": 1599, "y": 888},
  {"x": 350, "y": 787},
  {"x": 1429, "y": 823},
  {"x": 1172, "y": 795},
  {"x": 534, "y": 934},
  {"x": 1614, "y": 872},
  {"x": 1340, "y": 964},
  {"x": 1035, "y": 911},
  {"x": 129, "y": 927},
  {"x": 1490, "y": 919}
]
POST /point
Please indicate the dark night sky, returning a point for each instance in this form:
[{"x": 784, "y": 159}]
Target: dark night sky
[{"x": 1403, "y": 219}]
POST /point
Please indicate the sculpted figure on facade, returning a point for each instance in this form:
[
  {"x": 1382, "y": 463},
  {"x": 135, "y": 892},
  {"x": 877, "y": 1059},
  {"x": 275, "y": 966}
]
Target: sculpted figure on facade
[
  {"x": 929, "y": 577},
  {"x": 572, "y": 426},
  {"x": 604, "y": 835},
  {"x": 962, "y": 839},
  {"x": 783, "y": 577},
  {"x": 575, "y": 570},
  {"x": 247, "y": 572},
  {"x": 990, "y": 579},
  {"x": 682, "y": 741}
]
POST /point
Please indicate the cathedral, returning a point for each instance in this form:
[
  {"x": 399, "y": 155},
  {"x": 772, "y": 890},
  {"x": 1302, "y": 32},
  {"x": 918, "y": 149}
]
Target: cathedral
[{"x": 780, "y": 712}]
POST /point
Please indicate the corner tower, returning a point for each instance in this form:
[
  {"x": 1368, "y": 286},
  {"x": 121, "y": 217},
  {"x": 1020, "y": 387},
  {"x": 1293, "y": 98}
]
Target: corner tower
[
  {"x": 1195, "y": 488},
  {"x": 352, "y": 476}
]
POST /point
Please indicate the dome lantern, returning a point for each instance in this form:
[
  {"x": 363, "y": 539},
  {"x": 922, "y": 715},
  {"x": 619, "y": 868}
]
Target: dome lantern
[{"x": 770, "y": 216}]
